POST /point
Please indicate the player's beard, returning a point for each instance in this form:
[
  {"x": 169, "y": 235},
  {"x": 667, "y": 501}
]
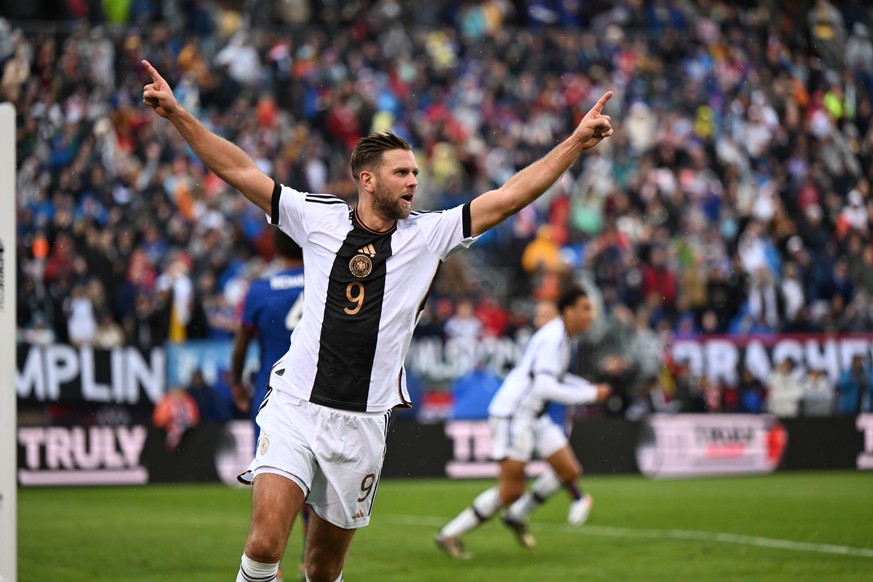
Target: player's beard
[{"x": 387, "y": 205}]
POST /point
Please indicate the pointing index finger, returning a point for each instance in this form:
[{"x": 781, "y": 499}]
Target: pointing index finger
[
  {"x": 156, "y": 77},
  {"x": 598, "y": 107}
]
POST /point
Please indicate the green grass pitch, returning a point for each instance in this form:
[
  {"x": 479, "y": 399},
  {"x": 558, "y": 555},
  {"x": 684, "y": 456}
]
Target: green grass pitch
[{"x": 787, "y": 526}]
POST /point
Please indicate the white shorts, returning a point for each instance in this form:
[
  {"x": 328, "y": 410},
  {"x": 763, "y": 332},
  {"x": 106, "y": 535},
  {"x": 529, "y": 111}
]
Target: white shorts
[
  {"x": 523, "y": 438},
  {"x": 335, "y": 456}
]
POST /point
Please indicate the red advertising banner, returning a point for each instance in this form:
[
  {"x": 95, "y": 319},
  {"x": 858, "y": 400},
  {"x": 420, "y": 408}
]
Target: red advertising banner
[{"x": 687, "y": 445}]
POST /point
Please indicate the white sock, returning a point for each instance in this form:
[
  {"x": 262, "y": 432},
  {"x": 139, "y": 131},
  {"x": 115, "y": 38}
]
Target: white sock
[
  {"x": 484, "y": 507},
  {"x": 251, "y": 571},
  {"x": 544, "y": 487}
]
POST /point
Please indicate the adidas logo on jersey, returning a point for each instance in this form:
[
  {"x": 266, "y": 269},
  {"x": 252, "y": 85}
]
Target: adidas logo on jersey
[
  {"x": 368, "y": 250},
  {"x": 359, "y": 513}
]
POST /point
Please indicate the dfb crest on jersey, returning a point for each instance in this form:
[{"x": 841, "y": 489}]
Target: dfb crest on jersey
[{"x": 360, "y": 266}]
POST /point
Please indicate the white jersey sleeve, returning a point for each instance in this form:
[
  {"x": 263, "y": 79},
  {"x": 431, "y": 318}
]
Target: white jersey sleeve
[
  {"x": 446, "y": 232},
  {"x": 294, "y": 216},
  {"x": 567, "y": 390},
  {"x": 547, "y": 356}
]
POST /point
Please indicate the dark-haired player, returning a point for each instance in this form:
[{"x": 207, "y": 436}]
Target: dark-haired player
[
  {"x": 521, "y": 428},
  {"x": 368, "y": 273}
]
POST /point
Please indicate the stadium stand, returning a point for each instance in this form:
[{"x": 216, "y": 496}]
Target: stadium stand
[{"x": 734, "y": 197}]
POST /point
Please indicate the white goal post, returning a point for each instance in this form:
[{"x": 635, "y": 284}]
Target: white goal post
[{"x": 8, "y": 404}]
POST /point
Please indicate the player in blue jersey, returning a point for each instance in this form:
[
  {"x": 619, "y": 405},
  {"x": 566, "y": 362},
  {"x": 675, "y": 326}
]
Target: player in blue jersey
[
  {"x": 272, "y": 308},
  {"x": 369, "y": 270}
]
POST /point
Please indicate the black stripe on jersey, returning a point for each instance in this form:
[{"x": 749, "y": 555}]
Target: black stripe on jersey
[
  {"x": 266, "y": 398},
  {"x": 324, "y": 199},
  {"x": 350, "y": 324},
  {"x": 274, "y": 203},
  {"x": 467, "y": 221}
]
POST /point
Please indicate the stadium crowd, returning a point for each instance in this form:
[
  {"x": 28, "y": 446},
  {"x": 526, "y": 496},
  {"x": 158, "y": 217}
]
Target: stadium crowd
[{"x": 733, "y": 198}]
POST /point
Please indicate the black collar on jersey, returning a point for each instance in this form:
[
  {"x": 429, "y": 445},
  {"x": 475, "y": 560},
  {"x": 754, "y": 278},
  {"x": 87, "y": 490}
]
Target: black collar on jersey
[{"x": 357, "y": 220}]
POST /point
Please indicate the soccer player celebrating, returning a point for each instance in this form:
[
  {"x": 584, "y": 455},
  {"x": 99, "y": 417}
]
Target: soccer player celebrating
[
  {"x": 368, "y": 273},
  {"x": 521, "y": 429}
]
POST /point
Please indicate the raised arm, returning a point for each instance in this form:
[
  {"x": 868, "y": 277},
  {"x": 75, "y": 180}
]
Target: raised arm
[
  {"x": 228, "y": 161},
  {"x": 494, "y": 206}
]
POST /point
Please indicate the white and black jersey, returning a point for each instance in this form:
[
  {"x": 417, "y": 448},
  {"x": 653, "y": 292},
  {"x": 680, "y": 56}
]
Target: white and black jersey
[
  {"x": 541, "y": 377},
  {"x": 364, "y": 293}
]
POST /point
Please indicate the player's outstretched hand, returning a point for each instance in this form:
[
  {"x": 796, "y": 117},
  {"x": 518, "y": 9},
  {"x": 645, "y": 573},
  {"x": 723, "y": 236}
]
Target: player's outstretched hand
[
  {"x": 595, "y": 125},
  {"x": 603, "y": 392},
  {"x": 158, "y": 94}
]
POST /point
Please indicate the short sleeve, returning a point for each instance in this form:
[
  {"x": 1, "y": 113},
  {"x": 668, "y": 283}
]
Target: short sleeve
[
  {"x": 449, "y": 231},
  {"x": 287, "y": 212}
]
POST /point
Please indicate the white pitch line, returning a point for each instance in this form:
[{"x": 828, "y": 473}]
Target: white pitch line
[{"x": 676, "y": 534}]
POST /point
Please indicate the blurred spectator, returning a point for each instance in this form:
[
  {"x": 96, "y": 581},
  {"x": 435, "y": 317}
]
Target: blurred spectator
[
  {"x": 220, "y": 312},
  {"x": 819, "y": 394},
  {"x": 16, "y": 72},
  {"x": 647, "y": 347},
  {"x": 463, "y": 325},
  {"x": 764, "y": 304},
  {"x": 241, "y": 60},
  {"x": 211, "y": 406},
  {"x": 687, "y": 393},
  {"x": 855, "y": 388},
  {"x": 828, "y": 32},
  {"x": 784, "y": 390},
  {"x": 493, "y": 316},
  {"x": 543, "y": 263},
  {"x": 724, "y": 290},
  {"x": 659, "y": 280},
  {"x": 81, "y": 319},
  {"x": 38, "y": 332},
  {"x": 791, "y": 297},
  {"x": 751, "y": 394},
  {"x": 542, "y": 254},
  {"x": 176, "y": 285},
  {"x": 430, "y": 323},
  {"x": 108, "y": 334},
  {"x": 863, "y": 278},
  {"x": 719, "y": 396},
  {"x": 859, "y": 54},
  {"x": 605, "y": 354}
]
